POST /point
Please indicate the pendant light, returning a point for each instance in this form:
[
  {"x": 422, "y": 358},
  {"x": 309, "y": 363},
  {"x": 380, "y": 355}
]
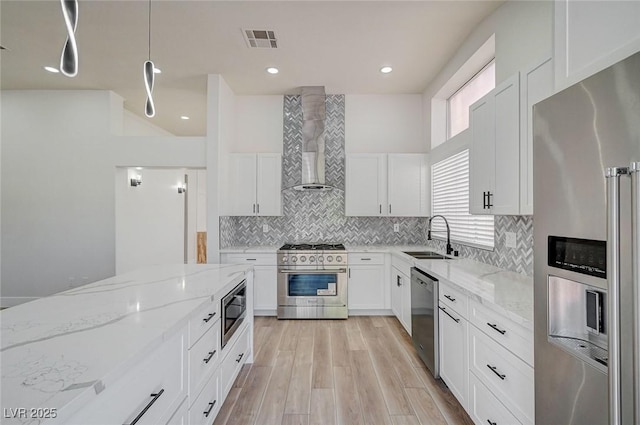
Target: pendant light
[
  {"x": 69, "y": 57},
  {"x": 147, "y": 70}
]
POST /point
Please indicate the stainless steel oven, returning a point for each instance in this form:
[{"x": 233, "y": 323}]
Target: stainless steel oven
[
  {"x": 312, "y": 282},
  {"x": 234, "y": 310}
]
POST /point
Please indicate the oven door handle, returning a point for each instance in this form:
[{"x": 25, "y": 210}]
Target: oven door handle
[{"x": 287, "y": 271}]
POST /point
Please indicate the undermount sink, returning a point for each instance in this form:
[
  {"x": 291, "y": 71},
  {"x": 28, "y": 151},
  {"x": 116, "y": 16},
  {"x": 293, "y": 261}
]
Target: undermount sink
[{"x": 426, "y": 255}]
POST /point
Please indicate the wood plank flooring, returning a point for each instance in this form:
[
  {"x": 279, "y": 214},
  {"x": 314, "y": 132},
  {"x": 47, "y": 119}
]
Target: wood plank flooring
[{"x": 359, "y": 371}]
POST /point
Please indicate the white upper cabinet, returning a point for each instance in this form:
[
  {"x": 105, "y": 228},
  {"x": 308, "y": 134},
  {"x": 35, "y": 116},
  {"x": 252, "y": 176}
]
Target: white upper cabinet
[
  {"x": 494, "y": 186},
  {"x": 254, "y": 185},
  {"x": 536, "y": 83},
  {"x": 366, "y": 185},
  {"x": 386, "y": 185},
  {"x": 592, "y": 35}
]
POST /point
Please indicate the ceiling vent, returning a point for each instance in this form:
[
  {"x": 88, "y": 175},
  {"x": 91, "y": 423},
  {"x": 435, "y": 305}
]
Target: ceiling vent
[{"x": 260, "y": 39}]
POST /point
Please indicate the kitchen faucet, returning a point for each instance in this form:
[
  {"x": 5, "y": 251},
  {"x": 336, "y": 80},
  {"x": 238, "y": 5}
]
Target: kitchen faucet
[{"x": 449, "y": 248}]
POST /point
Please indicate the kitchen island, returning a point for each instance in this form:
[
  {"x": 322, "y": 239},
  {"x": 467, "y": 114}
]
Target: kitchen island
[{"x": 66, "y": 354}]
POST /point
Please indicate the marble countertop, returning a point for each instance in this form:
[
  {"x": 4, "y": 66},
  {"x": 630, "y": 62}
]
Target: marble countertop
[
  {"x": 265, "y": 249},
  {"x": 57, "y": 349},
  {"x": 506, "y": 292}
]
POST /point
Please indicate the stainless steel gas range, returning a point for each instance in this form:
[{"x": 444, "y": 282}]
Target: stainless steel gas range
[{"x": 312, "y": 281}]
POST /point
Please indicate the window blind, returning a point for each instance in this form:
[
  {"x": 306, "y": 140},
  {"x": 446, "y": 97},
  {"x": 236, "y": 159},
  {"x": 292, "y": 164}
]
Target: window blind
[{"x": 450, "y": 198}]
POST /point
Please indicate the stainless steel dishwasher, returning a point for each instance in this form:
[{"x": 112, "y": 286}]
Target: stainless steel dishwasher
[{"x": 424, "y": 319}]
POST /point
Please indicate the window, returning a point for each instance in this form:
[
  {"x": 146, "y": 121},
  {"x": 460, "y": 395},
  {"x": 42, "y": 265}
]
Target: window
[
  {"x": 450, "y": 198},
  {"x": 458, "y": 104}
]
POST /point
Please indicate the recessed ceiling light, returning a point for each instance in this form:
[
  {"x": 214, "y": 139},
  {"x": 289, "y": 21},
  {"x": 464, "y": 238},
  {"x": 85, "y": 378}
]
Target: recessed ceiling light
[
  {"x": 184, "y": 117},
  {"x": 138, "y": 168},
  {"x": 386, "y": 69},
  {"x": 272, "y": 70},
  {"x": 157, "y": 70},
  {"x": 51, "y": 69}
]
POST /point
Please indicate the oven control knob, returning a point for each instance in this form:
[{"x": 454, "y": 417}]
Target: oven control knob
[
  {"x": 284, "y": 259},
  {"x": 312, "y": 259},
  {"x": 303, "y": 258},
  {"x": 320, "y": 258},
  {"x": 294, "y": 259},
  {"x": 338, "y": 258},
  {"x": 329, "y": 258}
]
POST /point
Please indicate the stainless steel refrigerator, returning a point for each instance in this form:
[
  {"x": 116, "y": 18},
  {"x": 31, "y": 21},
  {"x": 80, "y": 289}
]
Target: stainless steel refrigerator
[{"x": 586, "y": 193}]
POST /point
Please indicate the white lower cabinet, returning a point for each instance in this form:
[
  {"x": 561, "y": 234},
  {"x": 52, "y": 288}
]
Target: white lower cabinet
[
  {"x": 181, "y": 417},
  {"x": 207, "y": 405},
  {"x": 265, "y": 280},
  {"x": 401, "y": 292},
  {"x": 367, "y": 287},
  {"x": 235, "y": 353},
  {"x": 484, "y": 408},
  {"x": 454, "y": 354}
]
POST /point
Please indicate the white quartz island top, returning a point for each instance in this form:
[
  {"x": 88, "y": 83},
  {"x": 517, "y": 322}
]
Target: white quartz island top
[{"x": 58, "y": 351}]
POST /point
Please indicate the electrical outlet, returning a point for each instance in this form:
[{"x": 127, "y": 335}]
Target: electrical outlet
[
  {"x": 265, "y": 228},
  {"x": 510, "y": 239},
  {"x": 396, "y": 227}
]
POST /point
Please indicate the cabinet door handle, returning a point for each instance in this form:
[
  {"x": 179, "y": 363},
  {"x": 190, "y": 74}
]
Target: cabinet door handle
[
  {"x": 349, "y": 273},
  {"x": 389, "y": 208},
  {"x": 380, "y": 208},
  {"x": 208, "y": 411},
  {"x": 258, "y": 209},
  {"x": 211, "y": 354},
  {"x": 450, "y": 298},
  {"x": 252, "y": 259},
  {"x": 254, "y": 208},
  {"x": 495, "y": 370},
  {"x": 239, "y": 358},
  {"x": 399, "y": 281},
  {"x": 365, "y": 259},
  {"x": 155, "y": 398},
  {"x": 489, "y": 204},
  {"x": 492, "y": 423},
  {"x": 447, "y": 313},
  {"x": 484, "y": 200},
  {"x": 496, "y": 328},
  {"x": 209, "y": 317}
]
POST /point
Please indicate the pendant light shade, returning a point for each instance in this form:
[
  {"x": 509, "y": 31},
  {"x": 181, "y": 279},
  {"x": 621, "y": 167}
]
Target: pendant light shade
[
  {"x": 69, "y": 57},
  {"x": 150, "y": 109}
]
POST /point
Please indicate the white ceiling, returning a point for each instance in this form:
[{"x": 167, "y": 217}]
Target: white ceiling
[{"x": 337, "y": 44}]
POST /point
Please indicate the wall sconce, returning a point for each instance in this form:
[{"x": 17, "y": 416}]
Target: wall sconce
[
  {"x": 182, "y": 188},
  {"x": 136, "y": 180}
]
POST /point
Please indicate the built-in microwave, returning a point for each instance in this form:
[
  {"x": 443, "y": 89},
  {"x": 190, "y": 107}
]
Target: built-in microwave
[{"x": 234, "y": 310}]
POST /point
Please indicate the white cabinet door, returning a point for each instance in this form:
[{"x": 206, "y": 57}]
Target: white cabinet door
[
  {"x": 592, "y": 35},
  {"x": 241, "y": 197},
  {"x": 269, "y": 187},
  {"x": 366, "y": 287},
  {"x": 366, "y": 185},
  {"x": 396, "y": 293},
  {"x": 265, "y": 292},
  {"x": 536, "y": 83},
  {"x": 407, "y": 185},
  {"x": 406, "y": 303},
  {"x": 454, "y": 354},
  {"x": 481, "y": 155},
  {"x": 506, "y": 187}
]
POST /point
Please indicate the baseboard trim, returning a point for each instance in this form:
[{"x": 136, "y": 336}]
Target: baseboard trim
[{"x": 370, "y": 313}]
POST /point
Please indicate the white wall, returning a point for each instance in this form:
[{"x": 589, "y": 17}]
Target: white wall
[
  {"x": 259, "y": 124},
  {"x": 57, "y": 192},
  {"x": 134, "y": 125},
  {"x": 384, "y": 123},
  {"x": 523, "y": 35},
  {"x": 59, "y": 157}
]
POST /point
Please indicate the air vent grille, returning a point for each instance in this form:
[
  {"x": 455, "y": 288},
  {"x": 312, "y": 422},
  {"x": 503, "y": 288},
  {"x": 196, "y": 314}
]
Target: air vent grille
[{"x": 260, "y": 39}]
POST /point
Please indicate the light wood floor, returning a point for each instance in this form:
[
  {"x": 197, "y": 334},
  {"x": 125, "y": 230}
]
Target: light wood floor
[{"x": 360, "y": 371}]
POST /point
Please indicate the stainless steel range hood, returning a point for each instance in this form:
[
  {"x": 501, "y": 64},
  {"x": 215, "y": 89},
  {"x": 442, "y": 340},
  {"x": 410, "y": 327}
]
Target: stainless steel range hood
[{"x": 313, "y": 116}]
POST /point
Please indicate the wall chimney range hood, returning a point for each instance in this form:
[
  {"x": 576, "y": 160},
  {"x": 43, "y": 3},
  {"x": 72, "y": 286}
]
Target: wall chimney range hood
[{"x": 313, "y": 117}]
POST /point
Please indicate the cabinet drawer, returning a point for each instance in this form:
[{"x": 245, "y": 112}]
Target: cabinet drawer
[
  {"x": 365, "y": 258},
  {"x": 206, "y": 406},
  {"x": 484, "y": 408},
  {"x": 203, "y": 320},
  {"x": 203, "y": 359},
  {"x": 508, "y": 377},
  {"x": 453, "y": 298},
  {"x": 153, "y": 390},
  {"x": 401, "y": 265},
  {"x": 257, "y": 259},
  {"x": 512, "y": 336},
  {"x": 234, "y": 358}
]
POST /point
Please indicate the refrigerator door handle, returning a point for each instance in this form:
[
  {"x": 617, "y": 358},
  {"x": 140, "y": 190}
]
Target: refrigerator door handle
[
  {"x": 634, "y": 171},
  {"x": 613, "y": 282}
]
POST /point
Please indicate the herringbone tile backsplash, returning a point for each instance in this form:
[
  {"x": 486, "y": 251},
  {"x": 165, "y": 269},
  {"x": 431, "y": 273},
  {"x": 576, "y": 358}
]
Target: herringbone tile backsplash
[{"x": 319, "y": 216}]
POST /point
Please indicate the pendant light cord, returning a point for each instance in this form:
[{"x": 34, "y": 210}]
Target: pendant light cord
[{"x": 149, "y": 29}]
